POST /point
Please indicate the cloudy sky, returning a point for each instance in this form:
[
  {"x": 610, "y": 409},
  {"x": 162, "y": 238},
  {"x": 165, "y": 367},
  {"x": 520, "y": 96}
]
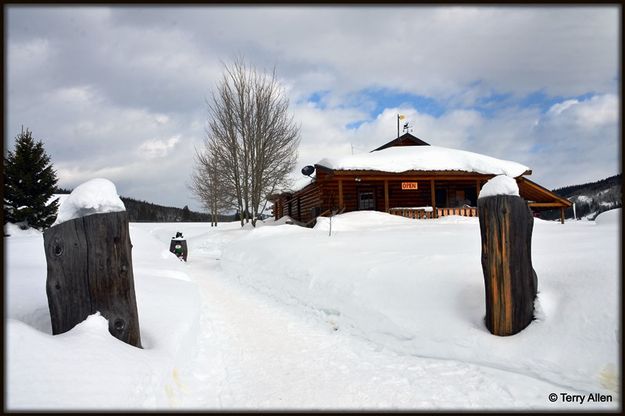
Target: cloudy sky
[{"x": 119, "y": 92}]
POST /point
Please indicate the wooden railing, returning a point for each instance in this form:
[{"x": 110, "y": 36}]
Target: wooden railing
[
  {"x": 415, "y": 213},
  {"x": 421, "y": 213},
  {"x": 462, "y": 211}
]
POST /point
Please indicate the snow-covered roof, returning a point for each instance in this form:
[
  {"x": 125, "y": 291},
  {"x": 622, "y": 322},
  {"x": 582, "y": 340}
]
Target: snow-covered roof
[
  {"x": 298, "y": 184},
  {"x": 425, "y": 158}
]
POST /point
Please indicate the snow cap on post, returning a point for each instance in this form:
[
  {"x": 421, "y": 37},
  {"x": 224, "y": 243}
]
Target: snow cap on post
[
  {"x": 96, "y": 196},
  {"x": 500, "y": 185}
]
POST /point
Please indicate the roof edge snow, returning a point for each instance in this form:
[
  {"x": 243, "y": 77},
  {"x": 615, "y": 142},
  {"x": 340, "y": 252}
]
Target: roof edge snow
[{"x": 425, "y": 158}]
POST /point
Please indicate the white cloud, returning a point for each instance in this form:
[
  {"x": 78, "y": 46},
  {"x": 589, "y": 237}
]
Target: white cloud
[
  {"x": 75, "y": 96},
  {"x": 598, "y": 111},
  {"x": 558, "y": 108},
  {"x": 161, "y": 119},
  {"x": 153, "y": 149},
  {"x": 595, "y": 112}
]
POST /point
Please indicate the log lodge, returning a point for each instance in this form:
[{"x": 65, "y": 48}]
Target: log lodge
[{"x": 406, "y": 177}]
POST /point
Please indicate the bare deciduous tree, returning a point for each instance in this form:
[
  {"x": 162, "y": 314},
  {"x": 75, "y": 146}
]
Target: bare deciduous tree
[
  {"x": 251, "y": 141},
  {"x": 207, "y": 186}
]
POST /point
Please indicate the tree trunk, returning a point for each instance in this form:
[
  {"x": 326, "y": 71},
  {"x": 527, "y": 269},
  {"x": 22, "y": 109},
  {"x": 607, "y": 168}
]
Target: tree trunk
[
  {"x": 506, "y": 224},
  {"x": 89, "y": 270}
]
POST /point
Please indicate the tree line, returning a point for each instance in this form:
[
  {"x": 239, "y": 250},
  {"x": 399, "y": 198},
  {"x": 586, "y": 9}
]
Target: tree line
[{"x": 143, "y": 211}]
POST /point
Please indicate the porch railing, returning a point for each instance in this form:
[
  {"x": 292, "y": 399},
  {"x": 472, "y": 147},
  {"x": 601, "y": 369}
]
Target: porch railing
[
  {"x": 415, "y": 213},
  {"x": 425, "y": 213}
]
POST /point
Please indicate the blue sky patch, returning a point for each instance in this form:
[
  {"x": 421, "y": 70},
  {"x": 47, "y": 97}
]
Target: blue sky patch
[
  {"x": 489, "y": 105},
  {"x": 544, "y": 102},
  {"x": 375, "y": 100},
  {"x": 318, "y": 98},
  {"x": 385, "y": 98},
  {"x": 354, "y": 124}
]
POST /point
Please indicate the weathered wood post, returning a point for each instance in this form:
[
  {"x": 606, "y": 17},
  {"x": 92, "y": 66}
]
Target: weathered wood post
[
  {"x": 89, "y": 270},
  {"x": 506, "y": 224}
]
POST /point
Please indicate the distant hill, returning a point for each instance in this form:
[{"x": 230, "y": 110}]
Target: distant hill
[
  {"x": 142, "y": 211},
  {"x": 590, "y": 199}
]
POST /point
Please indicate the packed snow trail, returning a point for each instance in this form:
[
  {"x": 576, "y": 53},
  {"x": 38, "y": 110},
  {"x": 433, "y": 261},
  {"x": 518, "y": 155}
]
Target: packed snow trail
[{"x": 256, "y": 353}]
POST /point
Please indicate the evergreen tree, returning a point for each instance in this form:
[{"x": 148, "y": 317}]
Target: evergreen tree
[
  {"x": 29, "y": 183},
  {"x": 186, "y": 214}
]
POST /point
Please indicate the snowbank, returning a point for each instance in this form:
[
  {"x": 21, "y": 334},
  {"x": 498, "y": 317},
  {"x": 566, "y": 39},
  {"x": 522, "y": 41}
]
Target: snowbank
[
  {"x": 360, "y": 220},
  {"x": 611, "y": 217},
  {"x": 280, "y": 221},
  {"x": 80, "y": 369},
  {"x": 96, "y": 196},
  {"x": 15, "y": 230},
  {"x": 86, "y": 367},
  {"x": 500, "y": 185},
  {"x": 417, "y": 288},
  {"x": 401, "y": 159}
]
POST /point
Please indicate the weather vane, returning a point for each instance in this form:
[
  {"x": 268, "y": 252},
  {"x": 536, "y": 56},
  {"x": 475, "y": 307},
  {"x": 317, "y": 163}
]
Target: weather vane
[{"x": 407, "y": 127}]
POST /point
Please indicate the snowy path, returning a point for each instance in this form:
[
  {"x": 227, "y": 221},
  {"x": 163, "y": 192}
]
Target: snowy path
[{"x": 254, "y": 352}]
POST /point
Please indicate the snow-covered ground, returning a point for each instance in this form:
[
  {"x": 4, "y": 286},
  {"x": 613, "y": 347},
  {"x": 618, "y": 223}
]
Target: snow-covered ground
[{"x": 384, "y": 313}]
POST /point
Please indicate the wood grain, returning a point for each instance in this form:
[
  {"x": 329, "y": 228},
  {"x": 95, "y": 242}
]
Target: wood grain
[
  {"x": 506, "y": 224},
  {"x": 89, "y": 263}
]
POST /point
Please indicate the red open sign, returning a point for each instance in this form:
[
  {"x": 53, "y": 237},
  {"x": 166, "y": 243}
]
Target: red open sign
[{"x": 409, "y": 185}]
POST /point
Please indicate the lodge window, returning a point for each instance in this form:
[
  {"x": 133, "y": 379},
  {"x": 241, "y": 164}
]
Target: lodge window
[
  {"x": 456, "y": 197},
  {"x": 441, "y": 198},
  {"x": 366, "y": 200}
]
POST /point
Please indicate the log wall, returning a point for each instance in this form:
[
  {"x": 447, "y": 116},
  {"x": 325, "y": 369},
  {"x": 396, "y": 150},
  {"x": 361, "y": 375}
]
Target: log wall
[
  {"x": 299, "y": 205},
  {"x": 420, "y": 197},
  {"x": 325, "y": 194}
]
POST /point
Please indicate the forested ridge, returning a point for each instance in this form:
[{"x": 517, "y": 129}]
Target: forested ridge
[
  {"x": 590, "y": 198},
  {"x": 143, "y": 211}
]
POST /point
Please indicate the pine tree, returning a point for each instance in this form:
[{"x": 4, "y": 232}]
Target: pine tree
[
  {"x": 186, "y": 214},
  {"x": 29, "y": 183}
]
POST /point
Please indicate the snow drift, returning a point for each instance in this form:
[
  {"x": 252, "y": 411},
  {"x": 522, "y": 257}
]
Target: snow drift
[
  {"x": 86, "y": 367},
  {"x": 416, "y": 287}
]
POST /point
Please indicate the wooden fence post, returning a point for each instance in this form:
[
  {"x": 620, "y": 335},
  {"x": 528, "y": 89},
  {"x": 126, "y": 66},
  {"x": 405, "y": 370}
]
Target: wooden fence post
[
  {"x": 506, "y": 224},
  {"x": 90, "y": 269}
]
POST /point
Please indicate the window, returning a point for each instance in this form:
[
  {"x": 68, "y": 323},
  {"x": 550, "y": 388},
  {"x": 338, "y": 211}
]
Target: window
[
  {"x": 366, "y": 200},
  {"x": 441, "y": 198}
]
